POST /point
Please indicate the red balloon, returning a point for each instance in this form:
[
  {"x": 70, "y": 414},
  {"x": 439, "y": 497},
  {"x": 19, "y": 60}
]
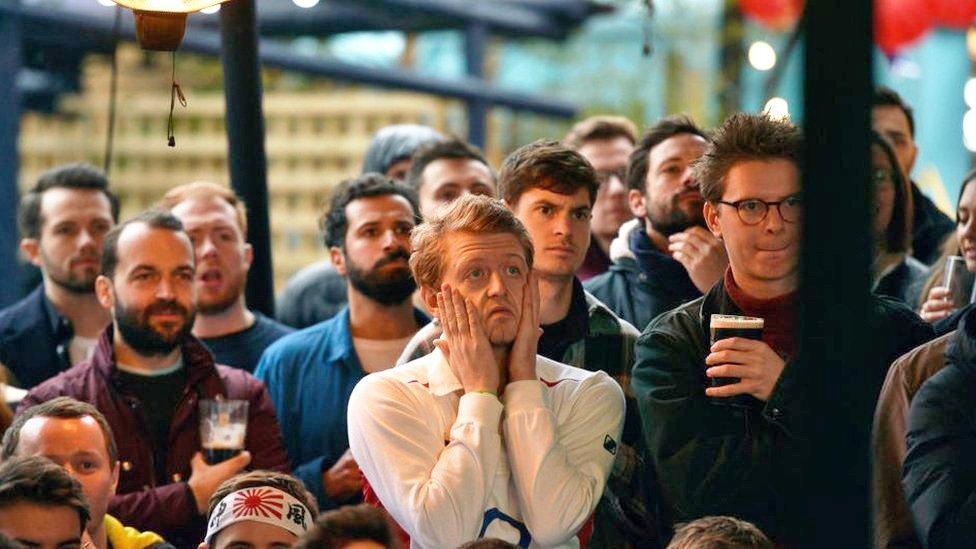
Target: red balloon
[
  {"x": 957, "y": 14},
  {"x": 773, "y": 14},
  {"x": 898, "y": 23}
]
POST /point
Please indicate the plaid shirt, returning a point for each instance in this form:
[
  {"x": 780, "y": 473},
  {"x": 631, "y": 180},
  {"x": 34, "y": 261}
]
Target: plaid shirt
[{"x": 622, "y": 515}]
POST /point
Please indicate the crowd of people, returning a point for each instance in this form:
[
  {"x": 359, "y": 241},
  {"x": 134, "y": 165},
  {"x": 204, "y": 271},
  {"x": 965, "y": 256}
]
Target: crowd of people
[{"x": 511, "y": 357}]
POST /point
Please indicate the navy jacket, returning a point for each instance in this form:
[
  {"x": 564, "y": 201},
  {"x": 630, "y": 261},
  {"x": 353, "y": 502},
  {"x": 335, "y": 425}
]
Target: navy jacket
[
  {"x": 310, "y": 375},
  {"x": 939, "y": 475},
  {"x": 34, "y": 340}
]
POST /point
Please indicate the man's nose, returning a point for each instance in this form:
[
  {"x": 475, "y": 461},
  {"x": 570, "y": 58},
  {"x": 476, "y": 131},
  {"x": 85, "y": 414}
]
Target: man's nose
[
  {"x": 688, "y": 177},
  {"x": 496, "y": 286},
  {"x": 206, "y": 247},
  {"x": 615, "y": 186}
]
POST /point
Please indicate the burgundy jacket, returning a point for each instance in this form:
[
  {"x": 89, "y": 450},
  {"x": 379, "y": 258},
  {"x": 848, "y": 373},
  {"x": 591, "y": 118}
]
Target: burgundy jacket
[{"x": 166, "y": 505}]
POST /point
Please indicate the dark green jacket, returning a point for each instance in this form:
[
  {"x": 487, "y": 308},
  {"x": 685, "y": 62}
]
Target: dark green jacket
[{"x": 744, "y": 460}]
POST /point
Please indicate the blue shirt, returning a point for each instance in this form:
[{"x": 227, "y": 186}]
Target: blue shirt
[{"x": 310, "y": 375}]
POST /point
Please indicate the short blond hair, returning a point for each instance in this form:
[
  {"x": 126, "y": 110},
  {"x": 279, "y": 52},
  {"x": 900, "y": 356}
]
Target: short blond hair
[
  {"x": 206, "y": 189},
  {"x": 719, "y": 533},
  {"x": 469, "y": 214}
]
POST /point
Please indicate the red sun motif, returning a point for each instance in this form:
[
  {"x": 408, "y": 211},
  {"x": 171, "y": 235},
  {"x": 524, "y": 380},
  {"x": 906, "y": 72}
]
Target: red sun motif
[{"x": 257, "y": 502}]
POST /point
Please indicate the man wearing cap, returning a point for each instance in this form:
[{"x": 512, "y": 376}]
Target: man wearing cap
[
  {"x": 318, "y": 292},
  {"x": 259, "y": 509}
]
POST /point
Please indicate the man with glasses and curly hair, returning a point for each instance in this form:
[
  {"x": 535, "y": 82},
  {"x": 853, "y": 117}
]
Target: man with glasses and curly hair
[{"x": 725, "y": 423}]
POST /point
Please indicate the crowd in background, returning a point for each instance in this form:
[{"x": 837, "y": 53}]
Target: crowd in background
[{"x": 491, "y": 356}]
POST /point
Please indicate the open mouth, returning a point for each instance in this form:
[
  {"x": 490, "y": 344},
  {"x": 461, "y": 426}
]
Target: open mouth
[{"x": 211, "y": 277}]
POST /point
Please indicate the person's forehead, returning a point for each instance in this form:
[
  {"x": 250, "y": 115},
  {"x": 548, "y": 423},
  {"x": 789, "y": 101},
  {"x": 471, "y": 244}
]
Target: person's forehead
[
  {"x": 205, "y": 210},
  {"x": 141, "y": 244},
  {"x": 375, "y": 208},
  {"x": 536, "y": 195},
  {"x": 456, "y": 170},
  {"x": 683, "y": 145},
  {"x": 61, "y": 201},
  {"x": 771, "y": 179},
  {"x": 890, "y": 118},
  {"x": 61, "y": 435},
  {"x": 494, "y": 246},
  {"x": 40, "y": 524},
  {"x": 257, "y": 534}
]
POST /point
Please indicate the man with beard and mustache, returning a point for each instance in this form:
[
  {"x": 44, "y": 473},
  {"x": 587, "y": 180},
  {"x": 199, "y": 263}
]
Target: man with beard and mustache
[
  {"x": 147, "y": 376},
  {"x": 216, "y": 220},
  {"x": 311, "y": 373},
  {"x": 674, "y": 258},
  {"x": 63, "y": 220}
]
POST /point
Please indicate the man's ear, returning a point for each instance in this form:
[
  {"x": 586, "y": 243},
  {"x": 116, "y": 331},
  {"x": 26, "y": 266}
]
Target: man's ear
[
  {"x": 430, "y": 300},
  {"x": 637, "y": 205},
  {"x": 104, "y": 292},
  {"x": 711, "y": 219},
  {"x": 911, "y": 164},
  {"x": 338, "y": 259},
  {"x": 32, "y": 249},
  {"x": 248, "y": 256},
  {"x": 115, "y": 476}
]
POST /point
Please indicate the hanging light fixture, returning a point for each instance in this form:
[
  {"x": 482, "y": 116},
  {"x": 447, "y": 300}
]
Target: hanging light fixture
[{"x": 160, "y": 23}]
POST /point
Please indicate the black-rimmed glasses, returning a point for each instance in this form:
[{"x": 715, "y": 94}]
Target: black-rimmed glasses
[{"x": 752, "y": 211}]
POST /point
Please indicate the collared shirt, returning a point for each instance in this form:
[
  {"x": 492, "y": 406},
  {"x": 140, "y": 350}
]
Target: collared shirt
[
  {"x": 310, "y": 374},
  {"x": 451, "y": 467},
  {"x": 607, "y": 345}
]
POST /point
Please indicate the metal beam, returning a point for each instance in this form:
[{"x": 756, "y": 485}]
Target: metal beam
[
  {"x": 475, "y": 44},
  {"x": 245, "y": 140},
  {"x": 278, "y": 55},
  {"x": 512, "y": 19},
  {"x": 10, "y": 65},
  {"x": 835, "y": 291}
]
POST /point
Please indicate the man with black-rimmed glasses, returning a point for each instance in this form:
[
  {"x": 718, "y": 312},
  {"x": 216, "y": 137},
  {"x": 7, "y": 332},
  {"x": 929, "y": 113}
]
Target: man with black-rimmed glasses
[{"x": 739, "y": 446}]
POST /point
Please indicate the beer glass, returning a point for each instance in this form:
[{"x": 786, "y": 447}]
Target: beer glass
[
  {"x": 726, "y": 326},
  {"x": 223, "y": 426},
  {"x": 957, "y": 281}
]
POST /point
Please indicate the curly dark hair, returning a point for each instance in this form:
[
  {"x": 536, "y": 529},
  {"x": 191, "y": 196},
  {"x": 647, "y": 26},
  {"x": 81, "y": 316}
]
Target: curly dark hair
[
  {"x": 38, "y": 480},
  {"x": 334, "y": 222},
  {"x": 548, "y": 165},
  {"x": 68, "y": 176},
  {"x": 743, "y": 137}
]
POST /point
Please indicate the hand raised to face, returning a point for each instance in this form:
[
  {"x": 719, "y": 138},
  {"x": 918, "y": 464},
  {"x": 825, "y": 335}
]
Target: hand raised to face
[
  {"x": 464, "y": 342},
  {"x": 521, "y": 360}
]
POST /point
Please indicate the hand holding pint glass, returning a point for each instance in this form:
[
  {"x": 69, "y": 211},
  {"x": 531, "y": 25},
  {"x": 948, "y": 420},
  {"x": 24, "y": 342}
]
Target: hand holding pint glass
[
  {"x": 740, "y": 362},
  {"x": 223, "y": 427}
]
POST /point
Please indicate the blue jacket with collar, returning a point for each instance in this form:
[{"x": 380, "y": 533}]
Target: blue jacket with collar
[
  {"x": 310, "y": 375},
  {"x": 33, "y": 344}
]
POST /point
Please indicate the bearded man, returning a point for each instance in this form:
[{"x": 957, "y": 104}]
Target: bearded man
[
  {"x": 666, "y": 257},
  {"x": 147, "y": 375},
  {"x": 311, "y": 373}
]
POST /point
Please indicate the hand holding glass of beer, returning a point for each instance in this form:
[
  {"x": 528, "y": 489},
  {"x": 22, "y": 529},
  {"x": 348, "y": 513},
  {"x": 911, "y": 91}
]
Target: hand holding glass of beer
[
  {"x": 726, "y": 326},
  {"x": 223, "y": 427}
]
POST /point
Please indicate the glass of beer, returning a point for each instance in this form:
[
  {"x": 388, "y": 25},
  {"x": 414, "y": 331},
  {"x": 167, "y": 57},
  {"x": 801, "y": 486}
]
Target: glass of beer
[
  {"x": 957, "y": 281},
  {"x": 726, "y": 326},
  {"x": 223, "y": 426}
]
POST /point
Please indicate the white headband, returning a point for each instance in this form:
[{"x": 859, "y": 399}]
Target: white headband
[{"x": 259, "y": 504}]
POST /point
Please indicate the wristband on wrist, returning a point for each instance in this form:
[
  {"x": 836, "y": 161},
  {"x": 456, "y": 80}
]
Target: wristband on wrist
[{"x": 492, "y": 393}]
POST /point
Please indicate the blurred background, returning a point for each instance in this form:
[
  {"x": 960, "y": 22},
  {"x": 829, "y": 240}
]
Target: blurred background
[{"x": 336, "y": 71}]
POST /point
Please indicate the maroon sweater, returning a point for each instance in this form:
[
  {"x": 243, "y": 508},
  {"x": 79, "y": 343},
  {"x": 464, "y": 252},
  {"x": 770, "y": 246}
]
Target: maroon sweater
[{"x": 779, "y": 313}]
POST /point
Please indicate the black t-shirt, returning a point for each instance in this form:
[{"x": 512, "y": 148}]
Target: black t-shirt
[
  {"x": 159, "y": 395},
  {"x": 243, "y": 349}
]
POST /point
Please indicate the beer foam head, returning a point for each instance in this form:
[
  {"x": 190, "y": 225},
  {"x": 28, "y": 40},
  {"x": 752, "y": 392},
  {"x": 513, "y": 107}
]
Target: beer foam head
[
  {"x": 736, "y": 321},
  {"x": 260, "y": 504}
]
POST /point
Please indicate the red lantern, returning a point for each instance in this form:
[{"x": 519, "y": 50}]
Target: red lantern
[
  {"x": 957, "y": 14},
  {"x": 776, "y": 15},
  {"x": 897, "y": 23}
]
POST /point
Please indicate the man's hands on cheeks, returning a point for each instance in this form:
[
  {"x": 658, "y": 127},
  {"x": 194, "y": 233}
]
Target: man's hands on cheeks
[
  {"x": 343, "y": 480},
  {"x": 465, "y": 342},
  {"x": 521, "y": 359},
  {"x": 702, "y": 254},
  {"x": 756, "y": 365},
  {"x": 205, "y": 478}
]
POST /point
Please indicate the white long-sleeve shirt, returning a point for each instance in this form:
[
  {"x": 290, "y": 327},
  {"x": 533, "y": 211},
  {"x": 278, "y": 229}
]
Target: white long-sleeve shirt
[{"x": 452, "y": 467}]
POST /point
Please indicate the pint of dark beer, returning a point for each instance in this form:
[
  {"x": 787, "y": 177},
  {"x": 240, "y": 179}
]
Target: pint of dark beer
[
  {"x": 726, "y": 326},
  {"x": 223, "y": 427}
]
